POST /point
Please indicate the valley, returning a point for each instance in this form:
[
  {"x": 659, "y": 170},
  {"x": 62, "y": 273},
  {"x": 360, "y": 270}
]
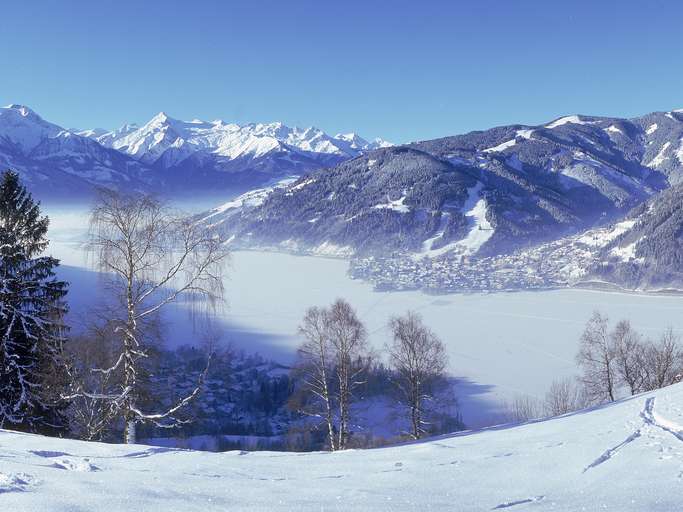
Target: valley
[{"x": 500, "y": 345}]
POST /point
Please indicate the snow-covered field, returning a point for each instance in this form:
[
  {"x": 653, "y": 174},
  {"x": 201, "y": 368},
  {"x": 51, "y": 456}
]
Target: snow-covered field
[
  {"x": 500, "y": 345},
  {"x": 623, "y": 457}
]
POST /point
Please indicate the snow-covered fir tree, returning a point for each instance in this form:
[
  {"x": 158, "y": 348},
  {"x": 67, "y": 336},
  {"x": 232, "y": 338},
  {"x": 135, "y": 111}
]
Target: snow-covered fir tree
[{"x": 31, "y": 311}]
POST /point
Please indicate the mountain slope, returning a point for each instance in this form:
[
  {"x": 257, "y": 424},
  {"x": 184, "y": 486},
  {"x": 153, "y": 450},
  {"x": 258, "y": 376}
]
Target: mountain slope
[
  {"x": 199, "y": 152},
  {"x": 164, "y": 156},
  {"x": 648, "y": 253},
  {"x": 57, "y": 162},
  {"x": 532, "y": 184},
  {"x": 627, "y": 456}
]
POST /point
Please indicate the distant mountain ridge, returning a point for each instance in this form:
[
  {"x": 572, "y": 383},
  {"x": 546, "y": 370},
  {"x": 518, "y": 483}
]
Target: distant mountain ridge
[
  {"x": 58, "y": 162},
  {"x": 479, "y": 194},
  {"x": 165, "y": 154}
]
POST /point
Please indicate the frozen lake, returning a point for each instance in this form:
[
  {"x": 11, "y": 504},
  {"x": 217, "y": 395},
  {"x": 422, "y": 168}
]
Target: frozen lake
[{"x": 501, "y": 345}]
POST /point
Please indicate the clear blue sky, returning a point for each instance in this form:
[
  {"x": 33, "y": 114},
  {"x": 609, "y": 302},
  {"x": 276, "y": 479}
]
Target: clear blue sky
[{"x": 396, "y": 69}]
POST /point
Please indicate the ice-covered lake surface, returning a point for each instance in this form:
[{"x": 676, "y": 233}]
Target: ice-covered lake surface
[{"x": 500, "y": 345}]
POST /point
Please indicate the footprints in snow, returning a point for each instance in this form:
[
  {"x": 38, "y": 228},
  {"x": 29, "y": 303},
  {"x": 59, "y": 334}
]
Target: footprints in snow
[
  {"x": 66, "y": 461},
  {"x": 509, "y": 504},
  {"x": 82, "y": 465},
  {"x": 607, "y": 455},
  {"x": 650, "y": 419},
  {"x": 397, "y": 467},
  {"x": 149, "y": 452},
  {"x": 15, "y": 482},
  {"x": 48, "y": 454},
  {"x": 452, "y": 463}
]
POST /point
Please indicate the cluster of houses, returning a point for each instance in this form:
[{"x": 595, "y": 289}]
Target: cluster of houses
[{"x": 552, "y": 265}]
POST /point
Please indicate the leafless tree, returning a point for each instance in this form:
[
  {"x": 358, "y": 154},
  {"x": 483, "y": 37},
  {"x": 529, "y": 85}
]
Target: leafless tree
[
  {"x": 629, "y": 356},
  {"x": 524, "y": 408},
  {"x": 153, "y": 256},
  {"x": 332, "y": 359},
  {"x": 96, "y": 347},
  {"x": 348, "y": 337},
  {"x": 315, "y": 354},
  {"x": 563, "y": 396},
  {"x": 419, "y": 359},
  {"x": 596, "y": 358},
  {"x": 663, "y": 361}
]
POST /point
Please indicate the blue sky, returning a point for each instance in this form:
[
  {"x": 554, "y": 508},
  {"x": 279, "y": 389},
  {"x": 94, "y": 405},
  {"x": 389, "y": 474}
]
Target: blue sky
[{"x": 401, "y": 70}]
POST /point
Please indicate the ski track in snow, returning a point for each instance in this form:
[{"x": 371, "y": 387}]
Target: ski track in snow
[
  {"x": 518, "y": 502},
  {"x": 608, "y": 454},
  {"x": 650, "y": 419}
]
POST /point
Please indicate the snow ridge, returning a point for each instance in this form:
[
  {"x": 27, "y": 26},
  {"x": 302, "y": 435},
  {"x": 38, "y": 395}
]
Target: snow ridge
[{"x": 177, "y": 140}]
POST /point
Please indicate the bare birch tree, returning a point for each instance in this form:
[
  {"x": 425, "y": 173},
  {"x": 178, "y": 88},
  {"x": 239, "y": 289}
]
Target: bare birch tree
[
  {"x": 153, "y": 256},
  {"x": 419, "y": 359},
  {"x": 333, "y": 359},
  {"x": 663, "y": 361},
  {"x": 596, "y": 358},
  {"x": 524, "y": 408},
  {"x": 564, "y": 396},
  {"x": 349, "y": 342},
  {"x": 629, "y": 356},
  {"x": 315, "y": 353}
]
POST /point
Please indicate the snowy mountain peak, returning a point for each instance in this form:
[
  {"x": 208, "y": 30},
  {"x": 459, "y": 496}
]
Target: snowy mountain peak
[
  {"x": 161, "y": 117},
  {"x": 21, "y": 110},
  {"x": 573, "y": 119},
  {"x": 24, "y": 128},
  {"x": 354, "y": 141},
  {"x": 166, "y": 141},
  {"x": 357, "y": 142}
]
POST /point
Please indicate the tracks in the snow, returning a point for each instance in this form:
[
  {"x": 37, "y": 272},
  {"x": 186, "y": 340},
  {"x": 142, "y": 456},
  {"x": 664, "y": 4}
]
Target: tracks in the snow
[
  {"x": 651, "y": 419},
  {"x": 509, "y": 504},
  {"x": 608, "y": 454}
]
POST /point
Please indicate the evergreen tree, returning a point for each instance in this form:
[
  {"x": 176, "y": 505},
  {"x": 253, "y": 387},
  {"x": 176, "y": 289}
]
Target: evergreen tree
[{"x": 31, "y": 311}]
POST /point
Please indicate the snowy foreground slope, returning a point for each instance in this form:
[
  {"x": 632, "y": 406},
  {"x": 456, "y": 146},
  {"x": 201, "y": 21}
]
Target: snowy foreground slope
[{"x": 627, "y": 456}]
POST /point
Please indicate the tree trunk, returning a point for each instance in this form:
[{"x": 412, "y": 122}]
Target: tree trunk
[
  {"x": 343, "y": 410},
  {"x": 417, "y": 420},
  {"x": 130, "y": 434},
  {"x": 130, "y": 373},
  {"x": 328, "y": 418}
]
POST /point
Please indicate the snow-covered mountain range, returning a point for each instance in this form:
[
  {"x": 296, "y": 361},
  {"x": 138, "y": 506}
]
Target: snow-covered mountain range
[
  {"x": 485, "y": 193},
  {"x": 165, "y": 154},
  {"x": 480, "y": 194},
  {"x": 58, "y": 162},
  {"x": 168, "y": 141},
  {"x": 536, "y": 183},
  {"x": 626, "y": 456}
]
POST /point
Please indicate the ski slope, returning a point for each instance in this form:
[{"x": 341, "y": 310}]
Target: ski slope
[{"x": 626, "y": 456}]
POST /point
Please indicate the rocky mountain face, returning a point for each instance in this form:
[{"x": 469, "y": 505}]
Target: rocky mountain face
[
  {"x": 480, "y": 194},
  {"x": 165, "y": 155}
]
